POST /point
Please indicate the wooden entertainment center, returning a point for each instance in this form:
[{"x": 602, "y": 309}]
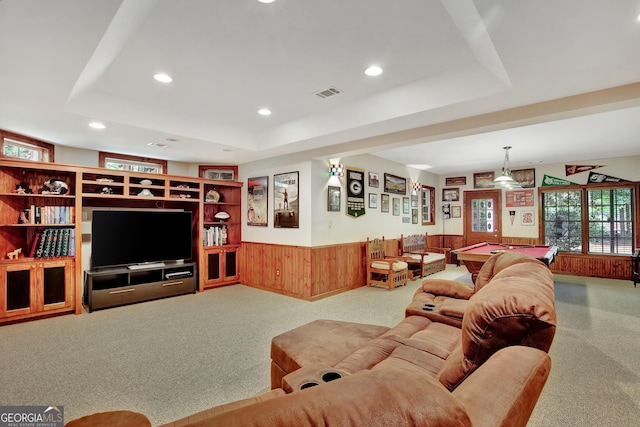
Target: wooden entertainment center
[{"x": 34, "y": 286}]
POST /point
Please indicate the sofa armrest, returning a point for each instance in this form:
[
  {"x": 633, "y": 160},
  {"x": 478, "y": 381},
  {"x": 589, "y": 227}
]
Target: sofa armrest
[
  {"x": 514, "y": 391},
  {"x": 392, "y": 396},
  {"x": 221, "y": 409},
  {"x": 449, "y": 288}
]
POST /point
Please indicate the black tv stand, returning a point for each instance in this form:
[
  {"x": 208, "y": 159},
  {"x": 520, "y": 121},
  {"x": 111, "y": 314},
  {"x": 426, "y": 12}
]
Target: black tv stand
[{"x": 106, "y": 288}]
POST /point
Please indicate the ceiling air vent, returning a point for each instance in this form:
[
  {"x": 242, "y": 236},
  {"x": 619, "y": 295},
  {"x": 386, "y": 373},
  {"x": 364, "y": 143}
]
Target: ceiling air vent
[{"x": 328, "y": 92}]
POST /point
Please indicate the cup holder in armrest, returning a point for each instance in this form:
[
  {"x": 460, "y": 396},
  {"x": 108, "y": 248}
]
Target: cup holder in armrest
[
  {"x": 330, "y": 376},
  {"x": 308, "y": 384},
  {"x": 310, "y": 376},
  {"x": 429, "y": 307}
]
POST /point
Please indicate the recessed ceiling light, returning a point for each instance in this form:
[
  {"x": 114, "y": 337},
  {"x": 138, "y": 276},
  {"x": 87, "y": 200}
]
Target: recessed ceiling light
[
  {"x": 97, "y": 125},
  {"x": 157, "y": 144},
  {"x": 164, "y": 78},
  {"x": 373, "y": 71},
  {"x": 266, "y": 1},
  {"x": 264, "y": 112}
]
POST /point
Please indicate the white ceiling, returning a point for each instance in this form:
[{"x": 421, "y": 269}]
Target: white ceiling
[{"x": 461, "y": 78}]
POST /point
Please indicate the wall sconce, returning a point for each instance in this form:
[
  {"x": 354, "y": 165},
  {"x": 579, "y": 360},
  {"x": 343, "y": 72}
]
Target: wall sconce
[
  {"x": 336, "y": 170},
  {"x": 415, "y": 187}
]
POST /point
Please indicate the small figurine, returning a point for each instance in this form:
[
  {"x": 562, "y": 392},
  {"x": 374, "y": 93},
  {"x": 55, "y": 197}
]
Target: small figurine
[
  {"x": 14, "y": 254},
  {"x": 106, "y": 190},
  {"x": 23, "y": 188},
  {"x": 54, "y": 186}
]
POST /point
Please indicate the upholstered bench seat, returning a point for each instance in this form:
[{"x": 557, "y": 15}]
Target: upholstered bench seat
[
  {"x": 431, "y": 263},
  {"x": 396, "y": 266},
  {"x": 321, "y": 342}
]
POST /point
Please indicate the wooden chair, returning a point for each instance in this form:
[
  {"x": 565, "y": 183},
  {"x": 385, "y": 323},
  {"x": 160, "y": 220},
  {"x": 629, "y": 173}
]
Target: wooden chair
[
  {"x": 422, "y": 260},
  {"x": 383, "y": 270}
]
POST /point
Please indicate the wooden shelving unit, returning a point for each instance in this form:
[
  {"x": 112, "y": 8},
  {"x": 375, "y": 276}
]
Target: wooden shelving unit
[{"x": 32, "y": 287}]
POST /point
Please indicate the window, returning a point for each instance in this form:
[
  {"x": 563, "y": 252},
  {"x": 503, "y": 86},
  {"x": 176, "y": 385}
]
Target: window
[
  {"x": 127, "y": 163},
  {"x": 25, "y": 148},
  {"x": 589, "y": 220}
]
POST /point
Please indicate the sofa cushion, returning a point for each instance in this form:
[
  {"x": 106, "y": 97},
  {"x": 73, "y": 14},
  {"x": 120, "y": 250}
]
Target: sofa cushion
[
  {"x": 318, "y": 342},
  {"x": 514, "y": 309},
  {"x": 450, "y": 288}
]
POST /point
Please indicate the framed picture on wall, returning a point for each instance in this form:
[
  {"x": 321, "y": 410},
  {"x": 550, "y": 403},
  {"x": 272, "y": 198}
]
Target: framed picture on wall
[
  {"x": 384, "y": 203},
  {"x": 414, "y": 216},
  {"x": 458, "y": 180},
  {"x": 374, "y": 179},
  {"x": 527, "y": 218},
  {"x": 405, "y": 205},
  {"x": 395, "y": 184},
  {"x": 456, "y": 211},
  {"x": 525, "y": 177},
  {"x": 451, "y": 194},
  {"x": 285, "y": 200},
  {"x": 333, "y": 199},
  {"x": 257, "y": 190},
  {"x": 396, "y": 206},
  {"x": 373, "y": 200},
  {"x": 483, "y": 179}
]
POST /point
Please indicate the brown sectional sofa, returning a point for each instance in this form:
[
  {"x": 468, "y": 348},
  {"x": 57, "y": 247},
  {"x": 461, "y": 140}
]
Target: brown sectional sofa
[{"x": 487, "y": 371}]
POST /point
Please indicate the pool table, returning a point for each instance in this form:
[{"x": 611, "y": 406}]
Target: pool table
[{"x": 474, "y": 256}]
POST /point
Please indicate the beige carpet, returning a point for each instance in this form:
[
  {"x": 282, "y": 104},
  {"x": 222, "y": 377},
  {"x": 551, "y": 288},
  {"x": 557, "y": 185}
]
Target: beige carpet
[{"x": 176, "y": 356}]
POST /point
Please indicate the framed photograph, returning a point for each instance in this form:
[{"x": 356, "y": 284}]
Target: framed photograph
[
  {"x": 414, "y": 216},
  {"x": 395, "y": 184},
  {"x": 396, "y": 206},
  {"x": 333, "y": 199},
  {"x": 373, "y": 200},
  {"x": 483, "y": 179},
  {"x": 456, "y": 211},
  {"x": 384, "y": 203},
  {"x": 458, "y": 180},
  {"x": 525, "y": 177},
  {"x": 527, "y": 218},
  {"x": 220, "y": 173},
  {"x": 414, "y": 200},
  {"x": 257, "y": 201},
  {"x": 451, "y": 194},
  {"x": 285, "y": 200},
  {"x": 374, "y": 179},
  {"x": 405, "y": 205},
  {"x": 406, "y": 220}
]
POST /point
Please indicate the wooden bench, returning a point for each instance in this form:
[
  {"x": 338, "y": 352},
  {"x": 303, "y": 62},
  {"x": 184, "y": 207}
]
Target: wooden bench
[{"x": 425, "y": 260}]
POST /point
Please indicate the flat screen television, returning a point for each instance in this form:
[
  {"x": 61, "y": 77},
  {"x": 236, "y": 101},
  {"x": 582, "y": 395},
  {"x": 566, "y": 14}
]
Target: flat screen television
[{"x": 132, "y": 237}]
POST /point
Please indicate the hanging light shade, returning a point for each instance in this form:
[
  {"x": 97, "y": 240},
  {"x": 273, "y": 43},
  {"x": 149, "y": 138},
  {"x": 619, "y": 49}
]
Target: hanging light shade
[{"x": 505, "y": 180}]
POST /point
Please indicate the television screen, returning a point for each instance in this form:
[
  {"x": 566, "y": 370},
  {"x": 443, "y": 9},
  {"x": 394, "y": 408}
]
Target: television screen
[{"x": 126, "y": 237}]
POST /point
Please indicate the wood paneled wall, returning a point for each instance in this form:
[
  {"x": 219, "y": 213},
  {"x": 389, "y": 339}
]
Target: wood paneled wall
[
  {"x": 312, "y": 273},
  {"x": 606, "y": 266},
  {"x": 303, "y": 272}
]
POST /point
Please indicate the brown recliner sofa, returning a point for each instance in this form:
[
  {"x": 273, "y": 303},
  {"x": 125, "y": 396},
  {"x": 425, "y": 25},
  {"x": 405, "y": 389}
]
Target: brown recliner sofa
[
  {"x": 489, "y": 371},
  {"x": 444, "y": 300}
]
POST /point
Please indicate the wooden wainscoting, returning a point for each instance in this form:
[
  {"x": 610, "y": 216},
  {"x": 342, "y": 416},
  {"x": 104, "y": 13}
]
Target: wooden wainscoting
[
  {"x": 308, "y": 273},
  {"x": 607, "y": 266}
]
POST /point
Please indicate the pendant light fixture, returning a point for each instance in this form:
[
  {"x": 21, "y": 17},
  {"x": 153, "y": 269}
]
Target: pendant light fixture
[{"x": 505, "y": 180}]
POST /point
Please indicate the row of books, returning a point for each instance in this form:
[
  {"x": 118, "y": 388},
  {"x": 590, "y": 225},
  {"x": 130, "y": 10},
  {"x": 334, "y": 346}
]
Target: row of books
[
  {"x": 48, "y": 215},
  {"x": 54, "y": 242},
  {"x": 215, "y": 236}
]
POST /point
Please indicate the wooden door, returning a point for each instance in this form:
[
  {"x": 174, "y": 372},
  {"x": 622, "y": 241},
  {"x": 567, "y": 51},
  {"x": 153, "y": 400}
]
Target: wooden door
[{"x": 482, "y": 216}]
